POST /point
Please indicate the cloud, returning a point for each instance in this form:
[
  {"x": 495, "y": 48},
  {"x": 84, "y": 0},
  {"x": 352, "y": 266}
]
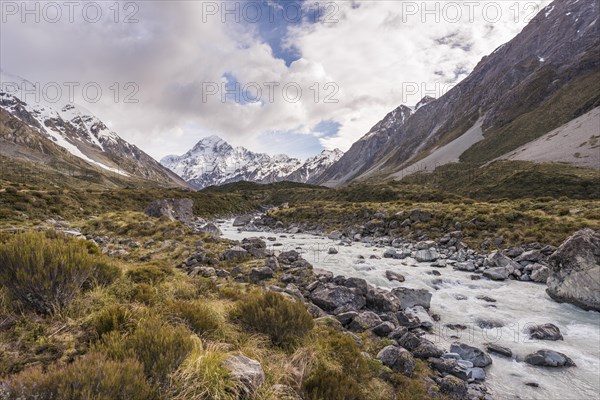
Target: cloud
[{"x": 178, "y": 52}]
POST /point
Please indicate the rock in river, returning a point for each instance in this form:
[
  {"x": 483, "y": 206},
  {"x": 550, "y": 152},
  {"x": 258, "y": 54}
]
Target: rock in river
[
  {"x": 545, "y": 332},
  {"x": 478, "y": 357},
  {"x": 549, "y": 358},
  {"x": 575, "y": 268}
]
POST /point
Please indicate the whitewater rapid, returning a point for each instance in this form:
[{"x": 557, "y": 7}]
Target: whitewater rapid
[{"x": 517, "y": 305}]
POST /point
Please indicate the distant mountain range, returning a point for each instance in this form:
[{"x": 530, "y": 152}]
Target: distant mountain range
[
  {"x": 213, "y": 161},
  {"x": 40, "y": 134},
  {"x": 528, "y": 89}
]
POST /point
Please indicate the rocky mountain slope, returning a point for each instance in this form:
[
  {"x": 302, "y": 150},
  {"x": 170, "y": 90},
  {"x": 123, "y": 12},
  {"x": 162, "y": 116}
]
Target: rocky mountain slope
[
  {"x": 213, "y": 161},
  {"x": 40, "y": 133},
  {"x": 543, "y": 78}
]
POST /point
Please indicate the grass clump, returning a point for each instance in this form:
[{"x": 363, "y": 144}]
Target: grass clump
[
  {"x": 92, "y": 377},
  {"x": 150, "y": 274},
  {"x": 270, "y": 313},
  {"x": 202, "y": 319},
  {"x": 115, "y": 317},
  {"x": 202, "y": 376},
  {"x": 46, "y": 273}
]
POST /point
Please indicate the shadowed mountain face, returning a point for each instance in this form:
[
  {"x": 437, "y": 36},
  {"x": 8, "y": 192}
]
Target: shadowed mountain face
[
  {"x": 213, "y": 161},
  {"x": 49, "y": 135},
  {"x": 543, "y": 78}
]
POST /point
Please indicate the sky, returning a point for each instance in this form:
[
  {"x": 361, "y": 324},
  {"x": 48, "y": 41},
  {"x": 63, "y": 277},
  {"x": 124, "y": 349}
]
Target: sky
[{"x": 292, "y": 76}]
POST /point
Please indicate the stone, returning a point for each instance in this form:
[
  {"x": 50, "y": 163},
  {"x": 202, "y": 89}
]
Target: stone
[
  {"x": 394, "y": 276},
  {"x": 346, "y": 317},
  {"x": 335, "y": 235},
  {"x": 211, "y": 229},
  {"x": 549, "y": 358},
  {"x": 454, "y": 387},
  {"x": 382, "y": 300},
  {"x": 233, "y": 253},
  {"x": 486, "y": 298},
  {"x": 338, "y": 297},
  {"x": 574, "y": 270},
  {"x": 426, "y": 349},
  {"x": 544, "y": 332},
  {"x": 540, "y": 274},
  {"x": 412, "y": 297},
  {"x": 497, "y": 349},
  {"x": 242, "y": 220},
  {"x": 449, "y": 366},
  {"x": 364, "y": 321},
  {"x": 332, "y": 250},
  {"x": 246, "y": 371},
  {"x": 408, "y": 320},
  {"x": 174, "y": 209},
  {"x": 476, "y": 374},
  {"x": 398, "y": 359},
  {"x": 428, "y": 255},
  {"x": 497, "y": 274},
  {"x": 422, "y": 316},
  {"x": 384, "y": 329},
  {"x": 288, "y": 257},
  {"x": 260, "y": 274},
  {"x": 469, "y": 353}
]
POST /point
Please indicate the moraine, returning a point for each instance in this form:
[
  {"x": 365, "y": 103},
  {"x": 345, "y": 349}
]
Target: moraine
[{"x": 455, "y": 299}]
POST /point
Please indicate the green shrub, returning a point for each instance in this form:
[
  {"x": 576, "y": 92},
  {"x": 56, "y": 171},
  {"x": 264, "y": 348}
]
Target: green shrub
[
  {"x": 150, "y": 274},
  {"x": 202, "y": 319},
  {"x": 105, "y": 273},
  {"x": 143, "y": 293},
  {"x": 44, "y": 273},
  {"x": 160, "y": 347},
  {"x": 115, "y": 317},
  {"x": 92, "y": 377},
  {"x": 270, "y": 313}
]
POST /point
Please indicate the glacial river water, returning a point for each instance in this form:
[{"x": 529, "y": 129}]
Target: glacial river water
[{"x": 455, "y": 301}]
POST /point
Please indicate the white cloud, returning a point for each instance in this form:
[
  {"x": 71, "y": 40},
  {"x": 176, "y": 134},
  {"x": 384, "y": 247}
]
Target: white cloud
[{"x": 371, "y": 53}]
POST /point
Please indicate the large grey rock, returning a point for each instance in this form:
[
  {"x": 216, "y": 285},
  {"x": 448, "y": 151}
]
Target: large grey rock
[
  {"x": 174, "y": 209},
  {"x": 427, "y": 255},
  {"x": 364, "y": 321},
  {"x": 454, "y": 387},
  {"x": 575, "y": 271},
  {"x": 412, "y": 297},
  {"x": 549, "y": 358},
  {"x": 260, "y": 274},
  {"x": 499, "y": 267},
  {"x": 242, "y": 220},
  {"x": 234, "y": 253},
  {"x": 422, "y": 315},
  {"x": 338, "y": 298},
  {"x": 494, "y": 348},
  {"x": 545, "y": 332},
  {"x": 246, "y": 371},
  {"x": 497, "y": 274},
  {"x": 381, "y": 300},
  {"x": 211, "y": 229},
  {"x": 478, "y": 357},
  {"x": 398, "y": 359},
  {"x": 384, "y": 329},
  {"x": 540, "y": 274}
]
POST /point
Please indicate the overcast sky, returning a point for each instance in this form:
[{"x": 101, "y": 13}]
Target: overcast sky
[{"x": 326, "y": 71}]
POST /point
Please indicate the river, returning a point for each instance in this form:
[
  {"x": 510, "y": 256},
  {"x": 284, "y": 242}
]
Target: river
[{"x": 455, "y": 301}]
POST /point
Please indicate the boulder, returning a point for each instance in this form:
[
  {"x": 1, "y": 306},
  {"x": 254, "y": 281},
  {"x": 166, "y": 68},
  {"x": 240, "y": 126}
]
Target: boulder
[
  {"x": 540, "y": 274},
  {"x": 412, "y": 297},
  {"x": 247, "y": 372},
  {"x": 394, "y": 276},
  {"x": 335, "y": 235},
  {"x": 497, "y": 274},
  {"x": 427, "y": 349},
  {"x": 494, "y": 348},
  {"x": 422, "y": 315},
  {"x": 384, "y": 329},
  {"x": 382, "y": 301},
  {"x": 332, "y": 250},
  {"x": 428, "y": 255},
  {"x": 242, "y": 220},
  {"x": 234, "y": 253},
  {"x": 398, "y": 359},
  {"x": 211, "y": 229},
  {"x": 575, "y": 271},
  {"x": 364, "y": 321},
  {"x": 449, "y": 366},
  {"x": 454, "y": 387},
  {"x": 469, "y": 353},
  {"x": 544, "y": 332},
  {"x": 338, "y": 298},
  {"x": 476, "y": 374},
  {"x": 549, "y": 358},
  {"x": 499, "y": 266},
  {"x": 288, "y": 257},
  {"x": 174, "y": 209},
  {"x": 260, "y": 274}
]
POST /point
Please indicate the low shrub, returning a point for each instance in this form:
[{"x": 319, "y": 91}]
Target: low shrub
[
  {"x": 150, "y": 274},
  {"x": 160, "y": 347},
  {"x": 202, "y": 376},
  {"x": 116, "y": 317},
  {"x": 47, "y": 273},
  {"x": 270, "y": 313},
  {"x": 92, "y": 377},
  {"x": 203, "y": 320}
]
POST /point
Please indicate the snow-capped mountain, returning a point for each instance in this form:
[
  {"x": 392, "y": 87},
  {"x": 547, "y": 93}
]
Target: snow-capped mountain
[
  {"x": 213, "y": 161},
  {"x": 82, "y": 134}
]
